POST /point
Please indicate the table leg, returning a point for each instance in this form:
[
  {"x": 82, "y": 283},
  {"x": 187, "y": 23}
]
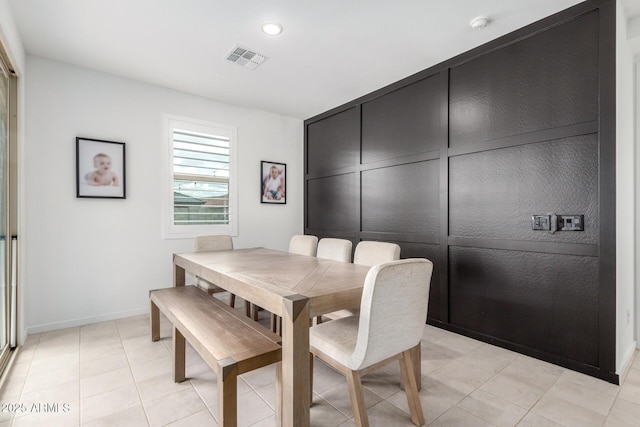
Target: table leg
[
  {"x": 155, "y": 322},
  {"x": 295, "y": 361},
  {"x": 279, "y": 394},
  {"x": 178, "y": 276}
]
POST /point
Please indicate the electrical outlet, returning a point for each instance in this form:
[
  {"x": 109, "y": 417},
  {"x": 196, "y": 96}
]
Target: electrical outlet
[{"x": 571, "y": 222}]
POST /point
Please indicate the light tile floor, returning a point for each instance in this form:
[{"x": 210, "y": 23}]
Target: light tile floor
[{"x": 111, "y": 374}]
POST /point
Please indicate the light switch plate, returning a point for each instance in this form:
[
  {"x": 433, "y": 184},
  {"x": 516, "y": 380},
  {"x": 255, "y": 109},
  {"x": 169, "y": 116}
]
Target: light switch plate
[{"x": 541, "y": 222}]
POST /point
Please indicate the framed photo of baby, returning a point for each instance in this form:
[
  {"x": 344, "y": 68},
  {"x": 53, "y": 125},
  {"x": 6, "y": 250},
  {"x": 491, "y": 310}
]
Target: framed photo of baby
[
  {"x": 100, "y": 169},
  {"x": 273, "y": 182}
]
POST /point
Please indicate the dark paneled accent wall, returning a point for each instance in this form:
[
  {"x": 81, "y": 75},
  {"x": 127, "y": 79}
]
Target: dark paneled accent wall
[{"x": 451, "y": 164}]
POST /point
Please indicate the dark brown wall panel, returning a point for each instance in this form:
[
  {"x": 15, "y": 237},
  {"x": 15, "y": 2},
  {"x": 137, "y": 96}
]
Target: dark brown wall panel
[
  {"x": 333, "y": 203},
  {"x": 452, "y": 162},
  {"x": 545, "y": 81},
  {"x": 403, "y": 122},
  {"x": 432, "y": 253},
  {"x": 333, "y": 143},
  {"x": 493, "y": 193},
  {"x": 542, "y": 301},
  {"x": 402, "y": 199}
]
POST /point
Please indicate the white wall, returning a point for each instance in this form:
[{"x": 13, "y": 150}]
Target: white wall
[
  {"x": 10, "y": 38},
  {"x": 625, "y": 198},
  {"x": 89, "y": 260}
]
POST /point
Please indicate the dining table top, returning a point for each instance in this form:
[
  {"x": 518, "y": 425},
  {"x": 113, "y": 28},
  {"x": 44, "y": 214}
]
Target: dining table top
[{"x": 266, "y": 276}]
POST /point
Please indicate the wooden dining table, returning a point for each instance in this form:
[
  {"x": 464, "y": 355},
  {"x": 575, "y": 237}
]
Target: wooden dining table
[{"x": 295, "y": 287}]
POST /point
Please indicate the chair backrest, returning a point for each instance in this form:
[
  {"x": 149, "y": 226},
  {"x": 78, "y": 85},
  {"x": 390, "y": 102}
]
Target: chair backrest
[
  {"x": 213, "y": 243},
  {"x": 303, "y": 245},
  {"x": 373, "y": 253},
  {"x": 393, "y": 310},
  {"x": 334, "y": 249}
]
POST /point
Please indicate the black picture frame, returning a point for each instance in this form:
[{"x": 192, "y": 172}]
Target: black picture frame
[
  {"x": 100, "y": 169},
  {"x": 271, "y": 191}
]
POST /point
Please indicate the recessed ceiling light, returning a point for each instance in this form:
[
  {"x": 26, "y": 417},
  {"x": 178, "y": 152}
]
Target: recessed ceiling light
[{"x": 272, "y": 28}]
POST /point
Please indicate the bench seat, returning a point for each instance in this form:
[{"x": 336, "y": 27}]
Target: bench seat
[{"x": 229, "y": 342}]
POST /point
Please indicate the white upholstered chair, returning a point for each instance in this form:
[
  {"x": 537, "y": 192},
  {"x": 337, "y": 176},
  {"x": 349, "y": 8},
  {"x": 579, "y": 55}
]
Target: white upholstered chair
[
  {"x": 367, "y": 253},
  {"x": 391, "y": 321},
  {"x": 303, "y": 245},
  {"x": 334, "y": 249},
  {"x": 213, "y": 243},
  {"x": 372, "y": 253}
]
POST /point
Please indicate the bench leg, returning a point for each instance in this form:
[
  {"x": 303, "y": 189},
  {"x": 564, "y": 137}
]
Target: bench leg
[
  {"x": 179, "y": 356},
  {"x": 155, "y": 322},
  {"x": 227, "y": 393}
]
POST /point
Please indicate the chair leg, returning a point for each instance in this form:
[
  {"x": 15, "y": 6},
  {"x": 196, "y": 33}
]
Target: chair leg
[
  {"x": 357, "y": 399},
  {"x": 411, "y": 388},
  {"x": 416, "y": 358},
  {"x": 232, "y": 300},
  {"x": 254, "y": 312},
  {"x": 276, "y": 324},
  {"x": 310, "y": 379},
  {"x": 247, "y": 308}
]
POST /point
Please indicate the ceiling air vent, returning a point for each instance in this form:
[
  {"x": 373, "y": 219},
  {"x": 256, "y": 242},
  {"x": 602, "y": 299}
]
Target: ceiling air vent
[{"x": 245, "y": 57}]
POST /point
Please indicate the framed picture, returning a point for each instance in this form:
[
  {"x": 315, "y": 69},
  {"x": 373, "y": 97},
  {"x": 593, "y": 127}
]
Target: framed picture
[
  {"x": 100, "y": 169},
  {"x": 273, "y": 182}
]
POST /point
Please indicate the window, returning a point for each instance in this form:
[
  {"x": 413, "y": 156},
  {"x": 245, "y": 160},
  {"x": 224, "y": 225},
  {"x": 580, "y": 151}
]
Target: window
[{"x": 201, "y": 192}]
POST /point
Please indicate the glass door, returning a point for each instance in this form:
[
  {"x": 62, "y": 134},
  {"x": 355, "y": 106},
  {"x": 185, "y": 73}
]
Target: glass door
[{"x": 5, "y": 235}]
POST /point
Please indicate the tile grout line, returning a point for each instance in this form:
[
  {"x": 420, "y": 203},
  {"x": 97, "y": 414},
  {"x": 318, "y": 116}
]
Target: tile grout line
[
  {"x": 617, "y": 396},
  {"x": 13, "y": 416},
  {"x": 169, "y": 347},
  {"x": 495, "y": 374},
  {"x": 540, "y": 398},
  {"x": 126, "y": 355}
]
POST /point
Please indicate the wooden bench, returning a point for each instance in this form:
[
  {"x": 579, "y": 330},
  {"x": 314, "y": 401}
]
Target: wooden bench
[{"x": 229, "y": 342}]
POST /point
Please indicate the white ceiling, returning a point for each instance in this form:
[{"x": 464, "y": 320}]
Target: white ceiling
[{"x": 331, "y": 51}]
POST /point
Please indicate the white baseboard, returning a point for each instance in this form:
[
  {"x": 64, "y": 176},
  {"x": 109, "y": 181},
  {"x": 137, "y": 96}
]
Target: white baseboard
[
  {"x": 83, "y": 321},
  {"x": 627, "y": 361}
]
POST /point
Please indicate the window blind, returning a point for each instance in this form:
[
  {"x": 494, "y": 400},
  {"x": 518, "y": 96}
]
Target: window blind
[{"x": 201, "y": 167}]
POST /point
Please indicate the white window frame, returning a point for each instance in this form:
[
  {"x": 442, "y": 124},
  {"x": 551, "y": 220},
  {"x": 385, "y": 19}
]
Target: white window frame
[{"x": 170, "y": 230}]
